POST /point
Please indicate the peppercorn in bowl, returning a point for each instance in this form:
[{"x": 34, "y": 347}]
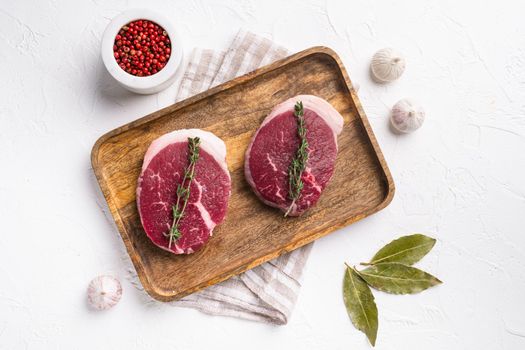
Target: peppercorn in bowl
[{"x": 142, "y": 51}]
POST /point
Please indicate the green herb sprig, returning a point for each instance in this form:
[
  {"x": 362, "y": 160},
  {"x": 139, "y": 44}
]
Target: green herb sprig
[
  {"x": 389, "y": 271},
  {"x": 298, "y": 164},
  {"x": 183, "y": 190}
]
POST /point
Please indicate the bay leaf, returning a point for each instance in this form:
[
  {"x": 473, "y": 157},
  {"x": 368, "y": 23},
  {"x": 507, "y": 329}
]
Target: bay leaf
[
  {"x": 360, "y": 304},
  {"x": 396, "y": 278},
  {"x": 406, "y": 250}
]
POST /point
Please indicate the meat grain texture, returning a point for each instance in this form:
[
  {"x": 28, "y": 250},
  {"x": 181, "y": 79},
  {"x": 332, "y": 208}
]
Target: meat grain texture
[
  {"x": 163, "y": 170},
  {"x": 274, "y": 145}
]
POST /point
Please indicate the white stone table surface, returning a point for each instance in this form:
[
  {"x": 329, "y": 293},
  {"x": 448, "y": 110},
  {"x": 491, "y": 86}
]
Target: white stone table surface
[{"x": 461, "y": 178}]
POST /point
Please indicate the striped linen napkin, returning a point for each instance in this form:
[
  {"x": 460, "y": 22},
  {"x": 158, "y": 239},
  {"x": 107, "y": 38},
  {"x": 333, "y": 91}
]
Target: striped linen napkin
[{"x": 266, "y": 293}]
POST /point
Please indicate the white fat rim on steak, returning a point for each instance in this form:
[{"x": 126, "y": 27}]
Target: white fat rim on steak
[
  {"x": 209, "y": 143},
  {"x": 316, "y": 104}
]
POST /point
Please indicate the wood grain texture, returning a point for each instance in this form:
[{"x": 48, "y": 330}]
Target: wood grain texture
[{"x": 252, "y": 232}]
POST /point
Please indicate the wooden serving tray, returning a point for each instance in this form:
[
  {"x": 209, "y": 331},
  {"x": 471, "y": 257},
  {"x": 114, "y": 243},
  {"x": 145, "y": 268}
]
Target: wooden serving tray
[{"x": 252, "y": 232}]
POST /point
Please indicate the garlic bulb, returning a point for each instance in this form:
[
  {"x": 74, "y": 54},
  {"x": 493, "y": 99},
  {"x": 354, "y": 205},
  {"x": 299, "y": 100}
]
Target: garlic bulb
[
  {"x": 407, "y": 116},
  {"x": 104, "y": 292},
  {"x": 387, "y": 65}
]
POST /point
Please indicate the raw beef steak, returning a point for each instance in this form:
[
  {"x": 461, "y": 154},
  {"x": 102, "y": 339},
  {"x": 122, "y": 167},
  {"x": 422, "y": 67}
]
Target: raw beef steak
[
  {"x": 275, "y": 143},
  {"x": 163, "y": 170}
]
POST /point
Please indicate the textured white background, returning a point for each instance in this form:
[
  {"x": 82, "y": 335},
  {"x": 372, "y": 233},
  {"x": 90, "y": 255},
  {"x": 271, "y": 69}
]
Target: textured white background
[{"x": 460, "y": 178}]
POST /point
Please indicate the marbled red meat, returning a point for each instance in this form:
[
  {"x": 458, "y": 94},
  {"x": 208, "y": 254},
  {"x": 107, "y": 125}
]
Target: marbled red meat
[
  {"x": 274, "y": 146},
  {"x": 162, "y": 171}
]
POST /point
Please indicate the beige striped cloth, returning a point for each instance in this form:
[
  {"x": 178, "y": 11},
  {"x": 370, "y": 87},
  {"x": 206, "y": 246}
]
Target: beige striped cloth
[{"x": 268, "y": 292}]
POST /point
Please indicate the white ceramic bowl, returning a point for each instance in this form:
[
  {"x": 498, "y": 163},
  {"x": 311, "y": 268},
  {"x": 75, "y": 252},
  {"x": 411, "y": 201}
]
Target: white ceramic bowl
[{"x": 142, "y": 85}]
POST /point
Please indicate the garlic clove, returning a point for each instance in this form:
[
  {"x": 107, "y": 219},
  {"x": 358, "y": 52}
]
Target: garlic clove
[
  {"x": 104, "y": 292},
  {"x": 407, "y": 116},
  {"x": 387, "y": 65}
]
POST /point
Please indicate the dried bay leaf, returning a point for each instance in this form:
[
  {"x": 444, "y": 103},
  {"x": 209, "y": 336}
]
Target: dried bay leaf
[
  {"x": 405, "y": 250},
  {"x": 396, "y": 278},
  {"x": 360, "y": 304}
]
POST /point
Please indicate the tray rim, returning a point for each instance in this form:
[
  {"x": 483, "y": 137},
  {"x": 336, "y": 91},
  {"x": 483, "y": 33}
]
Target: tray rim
[{"x": 133, "y": 254}]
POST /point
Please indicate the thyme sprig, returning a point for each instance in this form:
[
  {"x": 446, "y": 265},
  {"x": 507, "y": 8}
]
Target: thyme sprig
[
  {"x": 298, "y": 164},
  {"x": 183, "y": 190}
]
